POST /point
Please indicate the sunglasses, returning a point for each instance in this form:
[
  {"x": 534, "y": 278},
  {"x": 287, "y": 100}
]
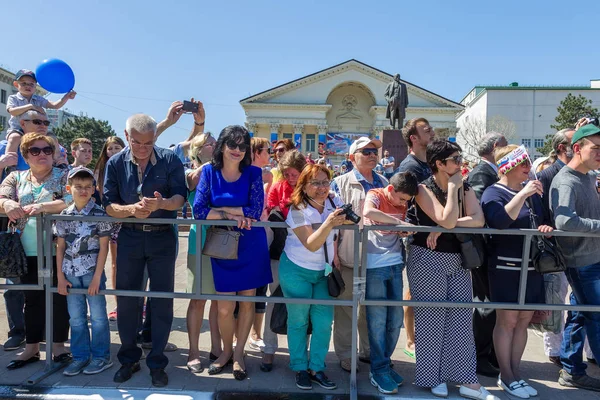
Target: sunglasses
[
  {"x": 367, "y": 152},
  {"x": 457, "y": 159},
  {"x": 39, "y": 121},
  {"x": 233, "y": 145},
  {"x": 35, "y": 151},
  {"x": 268, "y": 149},
  {"x": 280, "y": 150}
]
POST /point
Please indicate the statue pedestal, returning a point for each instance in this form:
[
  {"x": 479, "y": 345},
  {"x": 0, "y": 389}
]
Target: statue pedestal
[{"x": 394, "y": 143}]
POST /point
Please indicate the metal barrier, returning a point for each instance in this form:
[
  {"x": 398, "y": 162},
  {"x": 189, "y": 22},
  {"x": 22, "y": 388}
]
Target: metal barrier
[{"x": 45, "y": 247}]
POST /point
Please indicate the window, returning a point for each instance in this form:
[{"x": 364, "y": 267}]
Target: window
[
  {"x": 288, "y": 136},
  {"x": 538, "y": 143},
  {"x": 3, "y": 122},
  {"x": 526, "y": 142},
  {"x": 3, "y": 96},
  {"x": 310, "y": 142}
]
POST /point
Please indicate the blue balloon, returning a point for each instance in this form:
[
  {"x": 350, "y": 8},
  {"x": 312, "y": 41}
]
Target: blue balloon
[{"x": 55, "y": 76}]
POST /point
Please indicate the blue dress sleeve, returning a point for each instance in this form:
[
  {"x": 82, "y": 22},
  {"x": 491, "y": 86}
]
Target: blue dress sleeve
[
  {"x": 202, "y": 200},
  {"x": 257, "y": 195},
  {"x": 492, "y": 204}
]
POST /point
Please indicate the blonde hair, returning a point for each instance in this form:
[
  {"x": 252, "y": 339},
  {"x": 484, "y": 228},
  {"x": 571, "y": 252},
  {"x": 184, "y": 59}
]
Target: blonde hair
[
  {"x": 196, "y": 145},
  {"x": 30, "y": 138},
  {"x": 503, "y": 151}
]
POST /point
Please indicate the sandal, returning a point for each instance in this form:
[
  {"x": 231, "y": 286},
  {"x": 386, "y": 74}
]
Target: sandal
[
  {"x": 195, "y": 366},
  {"x": 409, "y": 353}
]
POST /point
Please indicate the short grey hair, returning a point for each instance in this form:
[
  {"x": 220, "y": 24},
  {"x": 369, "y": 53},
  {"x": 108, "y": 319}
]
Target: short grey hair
[
  {"x": 141, "y": 123},
  {"x": 32, "y": 114},
  {"x": 488, "y": 142},
  {"x": 559, "y": 138}
]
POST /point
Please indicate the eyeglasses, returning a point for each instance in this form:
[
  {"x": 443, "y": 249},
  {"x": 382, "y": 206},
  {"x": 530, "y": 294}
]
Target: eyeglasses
[
  {"x": 233, "y": 145},
  {"x": 35, "y": 151},
  {"x": 138, "y": 144},
  {"x": 280, "y": 150},
  {"x": 27, "y": 84},
  {"x": 367, "y": 152},
  {"x": 269, "y": 151},
  {"x": 320, "y": 183},
  {"x": 44, "y": 122},
  {"x": 457, "y": 159}
]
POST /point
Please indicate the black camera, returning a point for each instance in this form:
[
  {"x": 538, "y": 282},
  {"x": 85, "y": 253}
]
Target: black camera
[
  {"x": 593, "y": 121},
  {"x": 350, "y": 215}
]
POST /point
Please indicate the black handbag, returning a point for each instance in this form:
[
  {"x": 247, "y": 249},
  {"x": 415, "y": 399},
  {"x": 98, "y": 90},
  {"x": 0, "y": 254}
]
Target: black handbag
[
  {"x": 546, "y": 255},
  {"x": 278, "y": 323},
  {"x": 472, "y": 246},
  {"x": 13, "y": 262},
  {"x": 279, "y": 235}
]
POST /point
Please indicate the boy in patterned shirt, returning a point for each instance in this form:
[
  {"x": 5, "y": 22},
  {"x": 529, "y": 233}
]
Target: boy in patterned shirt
[{"x": 82, "y": 248}]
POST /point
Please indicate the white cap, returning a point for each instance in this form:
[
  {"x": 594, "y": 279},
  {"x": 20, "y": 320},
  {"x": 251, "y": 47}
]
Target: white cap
[{"x": 362, "y": 142}]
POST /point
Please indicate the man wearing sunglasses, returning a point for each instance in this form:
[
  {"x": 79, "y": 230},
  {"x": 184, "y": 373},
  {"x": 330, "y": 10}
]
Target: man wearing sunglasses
[
  {"x": 352, "y": 188},
  {"x": 144, "y": 182}
]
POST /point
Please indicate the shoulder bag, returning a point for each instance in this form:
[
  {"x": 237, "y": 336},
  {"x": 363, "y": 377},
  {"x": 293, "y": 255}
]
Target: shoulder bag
[
  {"x": 221, "y": 243},
  {"x": 546, "y": 256},
  {"x": 472, "y": 247},
  {"x": 13, "y": 262}
]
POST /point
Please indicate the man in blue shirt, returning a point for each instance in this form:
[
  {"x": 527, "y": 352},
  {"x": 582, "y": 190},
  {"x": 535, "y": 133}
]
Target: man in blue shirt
[{"x": 144, "y": 181}]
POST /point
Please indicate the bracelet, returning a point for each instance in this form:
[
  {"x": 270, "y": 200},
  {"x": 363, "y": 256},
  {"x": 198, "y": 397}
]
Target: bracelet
[{"x": 202, "y": 124}]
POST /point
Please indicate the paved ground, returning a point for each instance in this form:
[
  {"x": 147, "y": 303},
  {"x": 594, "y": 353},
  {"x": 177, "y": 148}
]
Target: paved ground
[{"x": 274, "y": 385}]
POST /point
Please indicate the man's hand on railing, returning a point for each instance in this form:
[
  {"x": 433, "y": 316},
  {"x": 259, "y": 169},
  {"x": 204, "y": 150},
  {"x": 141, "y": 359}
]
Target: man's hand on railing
[
  {"x": 94, "y": 286},
  {"x": 140, "y": 211},
  {"x": 152, "y": 204}
]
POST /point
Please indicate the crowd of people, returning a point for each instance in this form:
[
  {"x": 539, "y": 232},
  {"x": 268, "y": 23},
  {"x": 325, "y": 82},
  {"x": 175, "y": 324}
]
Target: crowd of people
[{"x": 228, "y": 178}]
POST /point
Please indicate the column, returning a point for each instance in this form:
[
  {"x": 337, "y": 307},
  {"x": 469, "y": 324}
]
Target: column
[
  {"x": 298, "y": 130},
  {"x": 252, "y": 128},
  {"x": 274, "y": 131}
]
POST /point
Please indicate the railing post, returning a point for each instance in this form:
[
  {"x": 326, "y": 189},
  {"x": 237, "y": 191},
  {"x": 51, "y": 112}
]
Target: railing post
[
  {"x": 356, "y": 235},
  {"x": 524, "y": 267},
  {"x": 198, "y": 266}
]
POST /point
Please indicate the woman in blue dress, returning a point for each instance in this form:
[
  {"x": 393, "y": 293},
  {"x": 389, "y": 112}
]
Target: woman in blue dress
[{"x": 231, "y": 188}]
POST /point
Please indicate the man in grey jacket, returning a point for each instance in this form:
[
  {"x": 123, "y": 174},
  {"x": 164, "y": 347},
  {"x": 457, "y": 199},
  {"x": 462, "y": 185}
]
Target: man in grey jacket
[{"x": 575, "y": 206}]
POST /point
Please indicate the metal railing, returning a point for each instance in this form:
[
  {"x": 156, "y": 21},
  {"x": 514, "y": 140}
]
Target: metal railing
[{"x": 44, "y": 248}]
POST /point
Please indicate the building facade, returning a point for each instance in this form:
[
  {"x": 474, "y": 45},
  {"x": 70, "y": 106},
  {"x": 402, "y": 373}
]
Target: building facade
[
  {"x": 325, "y": 111},
  {"x": 58, "y": 117},
  {"x": 6, "y": 89},
  {"x": 528, "y": 111}
]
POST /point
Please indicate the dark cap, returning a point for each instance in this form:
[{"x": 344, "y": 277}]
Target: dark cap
[
  {"x": 585, "y": 131},
  {"x": 82, "y": 171},
  {"x": 24, "y": 72}
]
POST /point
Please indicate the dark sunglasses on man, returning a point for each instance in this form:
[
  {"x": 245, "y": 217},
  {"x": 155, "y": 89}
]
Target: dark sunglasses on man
[
  {"x": 38, "y": 121},
  {"x": 367, "y": 152},
  {"x": 35, "y": 151}
]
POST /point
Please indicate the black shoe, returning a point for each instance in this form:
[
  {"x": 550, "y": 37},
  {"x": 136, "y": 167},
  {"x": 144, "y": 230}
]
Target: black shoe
[
  {"x": 555, "y": 360},
  {"x": 63, "y": 358},
  {"x": 240, "y": 374},
  {"x": 485, "y": 368},
  {"x": 159, "y": 377},
  {"x": 321, "y": 379},
  {"x": 303, "y": 380},
  {"x": 212, "y": 357},
  {"x": 592, "y": 361},
  {"x": 16, "y": 364},
  {"x": 366, "y": 360},
  {"x": 264, "y": 367},
  {"x": 13, "y": 343},
  {"x": 126, "y": 371},
  {"x": 579, "y": 381}
]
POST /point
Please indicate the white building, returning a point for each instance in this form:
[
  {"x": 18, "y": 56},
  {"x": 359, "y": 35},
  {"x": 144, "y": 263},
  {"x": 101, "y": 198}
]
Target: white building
[
  {"x": 336, "y": 105},
  {"x": 58, "y": 117},
  {"x": 530, "y": 110},
  {"x": 6, "y": 89}
]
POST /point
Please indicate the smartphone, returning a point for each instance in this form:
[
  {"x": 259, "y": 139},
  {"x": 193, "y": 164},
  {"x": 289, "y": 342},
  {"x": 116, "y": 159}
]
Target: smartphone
[{"x": 188, "y": 106}]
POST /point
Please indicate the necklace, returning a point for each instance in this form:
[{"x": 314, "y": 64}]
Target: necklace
[
  {"x": 39, "y": 188},
  {"x": 316, "y": 202}
]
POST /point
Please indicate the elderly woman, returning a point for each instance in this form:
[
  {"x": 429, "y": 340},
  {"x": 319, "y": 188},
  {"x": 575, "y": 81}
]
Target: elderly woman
[
  {"x": 508, "y": 205},
  {"x": 445, "y": 347},
  {"x": 302, "y": 272},
  {"x": 280, "y": 148},
  {"x": 278, "y": 202},
  {"x": 231, "y": 189},
  {"x": 200, "y": 151},
  {"x": 24, "y": 194}
]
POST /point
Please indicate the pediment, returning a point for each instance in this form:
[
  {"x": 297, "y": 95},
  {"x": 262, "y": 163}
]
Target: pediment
[{"x": 315, "y": 89}]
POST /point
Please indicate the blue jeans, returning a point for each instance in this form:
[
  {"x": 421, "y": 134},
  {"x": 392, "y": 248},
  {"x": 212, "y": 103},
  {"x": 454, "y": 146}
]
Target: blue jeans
[
  {"x": 300, "y": 282},
  {"x": 81, "y": 345},
  {"x": 384, "y": 322},
  {"x": 585, "y": 285}
]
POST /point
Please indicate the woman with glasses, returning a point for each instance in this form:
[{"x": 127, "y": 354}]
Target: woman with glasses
[
  {"x": 201, "y": 150},
  {"x": 230, "y": 188},
  {"x": 280, "y": 148},
  {"x": 445, "y": 347},
  {"x": 509, "y": 205},
  {"x": 302, "y": 273},
  {"x": 278, "y": 202},
  {"x": 23, "y": 195}
]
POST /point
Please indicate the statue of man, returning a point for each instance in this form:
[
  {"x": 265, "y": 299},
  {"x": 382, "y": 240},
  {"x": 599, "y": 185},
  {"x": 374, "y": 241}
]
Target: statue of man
[{"x": 397, "y": 98}]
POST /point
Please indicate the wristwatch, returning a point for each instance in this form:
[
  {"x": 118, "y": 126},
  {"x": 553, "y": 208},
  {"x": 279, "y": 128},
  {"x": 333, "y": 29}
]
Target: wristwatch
[{"x": 202, "y": 124}]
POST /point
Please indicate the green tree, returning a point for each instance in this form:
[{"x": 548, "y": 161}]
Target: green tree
[
  {"x": 84, "y": 127},
  {"x": 570, "y": 110}
]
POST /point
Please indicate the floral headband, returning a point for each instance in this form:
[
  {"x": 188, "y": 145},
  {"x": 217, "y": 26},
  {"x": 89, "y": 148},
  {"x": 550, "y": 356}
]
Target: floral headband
[{"x": 512, "y": 159}]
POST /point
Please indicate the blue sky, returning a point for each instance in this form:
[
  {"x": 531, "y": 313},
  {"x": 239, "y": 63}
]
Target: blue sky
[{"x": 139, "y": 56}]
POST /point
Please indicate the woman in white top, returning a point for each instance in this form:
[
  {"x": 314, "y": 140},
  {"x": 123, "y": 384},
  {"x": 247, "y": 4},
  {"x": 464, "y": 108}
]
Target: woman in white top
[{"x": 302, "y": 273}]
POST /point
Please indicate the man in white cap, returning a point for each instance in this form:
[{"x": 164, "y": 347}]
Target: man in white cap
[{"x": 352, "y": 188}]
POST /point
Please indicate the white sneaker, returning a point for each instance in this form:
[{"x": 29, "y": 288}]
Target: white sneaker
[
  {"x": 440, "y": 390},
  {"x": 514, "y": 389},
  {"x": 481, "y": 394},
  {"x": 258, "y": 345},
  {"x": 530, "y": 391}
]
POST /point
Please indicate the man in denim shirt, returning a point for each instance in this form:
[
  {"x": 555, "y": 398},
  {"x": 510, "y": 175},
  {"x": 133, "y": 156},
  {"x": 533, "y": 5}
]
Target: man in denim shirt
[{"x": 144, "y": 181}]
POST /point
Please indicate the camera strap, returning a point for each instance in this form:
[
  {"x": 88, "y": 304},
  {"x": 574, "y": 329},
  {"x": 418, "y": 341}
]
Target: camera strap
[{"x": 325, "y": 244}]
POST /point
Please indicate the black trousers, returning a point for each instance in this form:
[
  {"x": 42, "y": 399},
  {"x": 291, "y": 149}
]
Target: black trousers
[
  {"x": 156, "y": 251},
  {"x": 35, "y": 308},
  {"x": 484, "y": 319}
]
